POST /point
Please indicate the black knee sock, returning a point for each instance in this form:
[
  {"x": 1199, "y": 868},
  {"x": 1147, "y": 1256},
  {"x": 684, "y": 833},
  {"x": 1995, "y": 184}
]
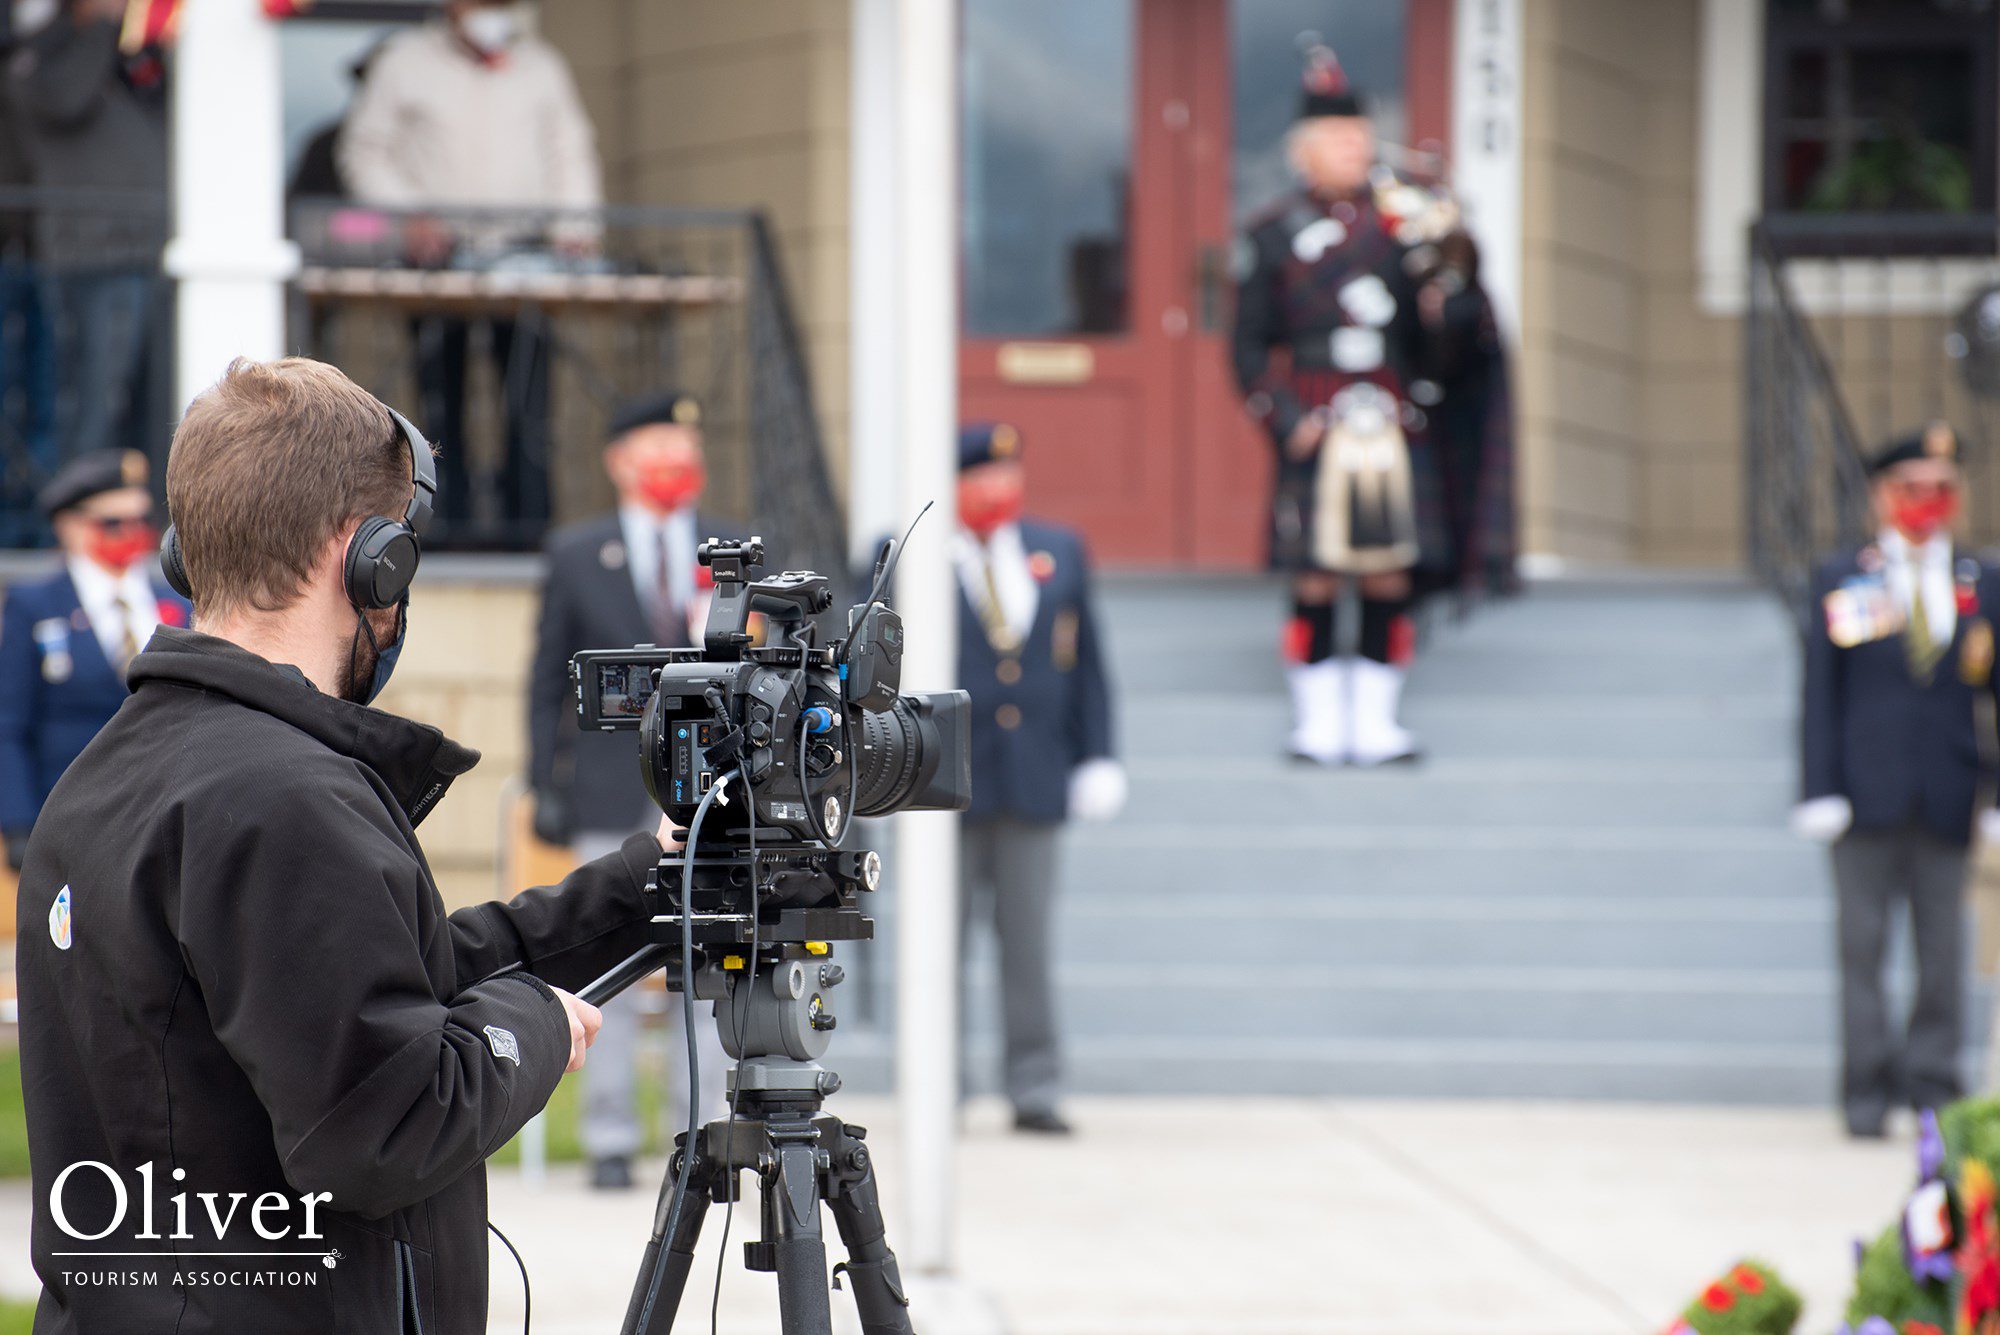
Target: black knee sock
[
  {"x": 1309, "y": 634},
  {"x": 1387, "y": 633}
]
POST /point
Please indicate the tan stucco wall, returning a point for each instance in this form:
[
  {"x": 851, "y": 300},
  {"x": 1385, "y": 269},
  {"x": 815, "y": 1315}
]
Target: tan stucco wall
[
  {"x": 1630, "y": 406},
  {"x": 733, "y": 105}
]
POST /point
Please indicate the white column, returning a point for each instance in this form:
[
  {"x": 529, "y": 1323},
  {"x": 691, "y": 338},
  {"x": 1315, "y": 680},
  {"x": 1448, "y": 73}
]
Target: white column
[
  {"x": 874, "y": 496},
  {"x": 1486, "y": 144},
  {"x": 1731, "y": 91},
  {"x": 228, "y": 250},
  {"x": 926, "y": 194}
]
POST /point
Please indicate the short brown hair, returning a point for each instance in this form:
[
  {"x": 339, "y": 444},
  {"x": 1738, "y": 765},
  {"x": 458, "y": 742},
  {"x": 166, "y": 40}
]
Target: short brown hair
[{"x": 270, "y": 462}]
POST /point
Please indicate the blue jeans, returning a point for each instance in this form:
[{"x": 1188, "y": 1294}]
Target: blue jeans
[
  {"x": 104, "y": 321},
  {"x": 27, "y": 403}
]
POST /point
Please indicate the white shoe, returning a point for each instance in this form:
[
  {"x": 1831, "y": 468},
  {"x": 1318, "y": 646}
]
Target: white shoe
[
  {"x": 1319, "y": 711},
  {"x": 1378, "y": 738}
]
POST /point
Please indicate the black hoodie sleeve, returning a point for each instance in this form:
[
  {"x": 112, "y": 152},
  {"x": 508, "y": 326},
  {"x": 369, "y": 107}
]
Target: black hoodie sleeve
[
  {"x": 302, "y": 931},
  {"x": 565, "y": 934}
]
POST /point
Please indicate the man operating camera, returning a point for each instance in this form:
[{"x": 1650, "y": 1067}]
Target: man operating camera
[{"x": 263, "y": 1067}]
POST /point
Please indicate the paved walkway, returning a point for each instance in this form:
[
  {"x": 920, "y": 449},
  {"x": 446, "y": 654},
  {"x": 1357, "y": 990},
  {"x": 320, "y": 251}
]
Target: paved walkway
[
  {"x": 1366, "y": 1217},
  {"x": 1432, "y": 1218}
]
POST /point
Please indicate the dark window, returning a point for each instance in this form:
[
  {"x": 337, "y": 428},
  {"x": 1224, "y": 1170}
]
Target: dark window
[{"x": 1879, "y": 107}]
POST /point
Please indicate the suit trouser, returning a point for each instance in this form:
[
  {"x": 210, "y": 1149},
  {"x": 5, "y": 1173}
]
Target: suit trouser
[
  {"x": 1008, "y": 871},
  {"x": 1874, "y": 871},
  {"x": 611, "y": 1127}
]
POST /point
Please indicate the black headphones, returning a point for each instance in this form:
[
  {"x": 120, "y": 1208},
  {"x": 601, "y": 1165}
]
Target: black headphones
[{"x": 383, "y": 554}]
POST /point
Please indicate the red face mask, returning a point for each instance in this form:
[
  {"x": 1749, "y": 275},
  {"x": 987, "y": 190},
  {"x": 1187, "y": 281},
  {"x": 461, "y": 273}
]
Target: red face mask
[
  {"x": 669, "y": 486},
  {"x": 1920, "y": 518},
  {"x": 120, "y": 550},
  {"x": 986, "y": 506}
]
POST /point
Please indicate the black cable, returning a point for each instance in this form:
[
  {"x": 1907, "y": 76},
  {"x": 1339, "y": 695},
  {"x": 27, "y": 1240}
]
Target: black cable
[
  {"x": 527, "y": 1294},
  {"x": 694, "y": 1059},
  {"x": 736, "y": 1094}
]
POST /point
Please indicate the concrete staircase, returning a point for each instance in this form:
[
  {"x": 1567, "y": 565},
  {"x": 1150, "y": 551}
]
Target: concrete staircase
[{"x": 1587, "y": 891}]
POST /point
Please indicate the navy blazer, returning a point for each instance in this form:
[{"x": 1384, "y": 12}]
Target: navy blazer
[
  {"x": 589, "y": 601},
  {"x": 1042, "y": 710},
  {"x": 1901, "y": 750},
  {"x": 57, "y": 689}
]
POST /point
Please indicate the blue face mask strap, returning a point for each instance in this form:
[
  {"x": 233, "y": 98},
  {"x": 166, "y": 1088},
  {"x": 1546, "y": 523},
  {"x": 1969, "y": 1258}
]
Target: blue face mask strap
[{"x": 385, "y": 654}]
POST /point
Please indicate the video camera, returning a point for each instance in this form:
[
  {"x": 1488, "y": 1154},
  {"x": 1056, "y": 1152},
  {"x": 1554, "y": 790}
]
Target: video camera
[{"x": 822, "y": 734}]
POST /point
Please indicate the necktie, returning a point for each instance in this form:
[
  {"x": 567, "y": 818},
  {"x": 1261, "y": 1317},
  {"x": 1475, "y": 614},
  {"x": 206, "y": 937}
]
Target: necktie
[
  {"x": 1919, "y": 645},
  {"x": 993, "y": 614},
  {"x": 128, "y": 635}
]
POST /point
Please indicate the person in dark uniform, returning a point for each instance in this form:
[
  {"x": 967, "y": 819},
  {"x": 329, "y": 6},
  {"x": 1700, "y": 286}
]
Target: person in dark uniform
[
  {"x": 1460, "y": 384},
  {"x": 1030, "y": 653},
  {"x": 622, "y": 579},
  {"x": 1325, "y": 326},
  {"x": 66, "y": 638},
  {"x": 1897, "y": 741}
]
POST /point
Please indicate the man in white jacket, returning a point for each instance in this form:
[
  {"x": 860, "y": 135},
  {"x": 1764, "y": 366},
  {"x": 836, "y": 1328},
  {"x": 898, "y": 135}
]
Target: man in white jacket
[{"x": 476, "y": 112}]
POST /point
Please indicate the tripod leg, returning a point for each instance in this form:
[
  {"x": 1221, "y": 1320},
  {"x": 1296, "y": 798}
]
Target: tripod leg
[
  {"x": 870, "y": 1265},
  {"x": 804, "y": 1306},
  {"x": 663, "y": 1271}
]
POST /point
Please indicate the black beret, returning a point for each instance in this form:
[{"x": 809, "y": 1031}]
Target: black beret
[
  {"x": 92, "y": 475},
  {"x": 1936, "y": 441},
  {"x": 986, "y": 443},
  {"x": 670, "y": 408},
  {"x": 1324, "y": 90}
]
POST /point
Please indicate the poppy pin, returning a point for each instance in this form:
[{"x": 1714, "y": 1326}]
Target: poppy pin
[
  {"x": 171, "y": 613},
  {"x": 1042, "y": 565}
]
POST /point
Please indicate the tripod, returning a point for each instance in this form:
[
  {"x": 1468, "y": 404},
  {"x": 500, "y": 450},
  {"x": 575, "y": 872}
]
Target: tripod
[{"x": 803, "y": 1156}]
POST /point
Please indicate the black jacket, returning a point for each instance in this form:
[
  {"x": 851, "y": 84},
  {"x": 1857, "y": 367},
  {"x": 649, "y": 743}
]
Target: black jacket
[
  {"x": 238, "y": 969},
  {"x": 589, "y": 602},
  {"x": 1899, "y": 750}
]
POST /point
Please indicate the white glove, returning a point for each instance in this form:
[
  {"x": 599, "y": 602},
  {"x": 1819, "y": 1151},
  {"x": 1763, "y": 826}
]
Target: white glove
[
  {"x": 1097, "y": 790},
  {"x": 1823, "y": 819},
  {"x": 1989, "y": 826}
]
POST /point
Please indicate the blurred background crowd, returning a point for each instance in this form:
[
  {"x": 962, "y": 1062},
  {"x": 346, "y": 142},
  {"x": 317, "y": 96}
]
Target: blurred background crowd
[{"x": 1472, "y": 383}]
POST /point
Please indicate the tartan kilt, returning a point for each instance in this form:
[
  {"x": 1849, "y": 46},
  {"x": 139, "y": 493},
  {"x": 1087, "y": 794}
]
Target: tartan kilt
[{"x": 1295, "y": 486}]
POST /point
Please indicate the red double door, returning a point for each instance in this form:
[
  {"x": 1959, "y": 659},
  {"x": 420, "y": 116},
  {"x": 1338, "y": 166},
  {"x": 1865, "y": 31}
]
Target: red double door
[{"x": 1102, "y": 186}]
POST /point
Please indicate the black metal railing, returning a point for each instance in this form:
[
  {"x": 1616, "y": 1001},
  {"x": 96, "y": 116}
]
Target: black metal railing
[
  {"x": 85, "y": 338},
  {"x": 516, "y": 334},
  {"x": 1853, "y": 335}
]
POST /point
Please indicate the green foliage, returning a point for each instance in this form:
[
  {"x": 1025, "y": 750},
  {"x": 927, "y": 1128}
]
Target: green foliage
[
  {"x": 13, "y": 1120},
  {"x": 1884, "y": 1288},
  {"x": 1971, "y": 1129},
  {"x": 1749, "y": 1300},
  {"x": 1901, "y": 172},
  {"x": 16, "y": 1318}
]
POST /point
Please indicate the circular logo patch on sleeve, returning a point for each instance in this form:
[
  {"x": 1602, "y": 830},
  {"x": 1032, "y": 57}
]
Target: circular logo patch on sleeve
[{"x": 59, "y": 926}]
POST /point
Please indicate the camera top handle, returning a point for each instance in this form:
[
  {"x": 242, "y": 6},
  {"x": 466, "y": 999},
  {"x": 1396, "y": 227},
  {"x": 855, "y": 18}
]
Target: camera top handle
[{"x": 786, "y": 599}]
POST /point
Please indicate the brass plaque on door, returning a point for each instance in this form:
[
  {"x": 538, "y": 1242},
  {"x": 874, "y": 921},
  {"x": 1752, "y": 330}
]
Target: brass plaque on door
[{"x": 1047, "y": 363}]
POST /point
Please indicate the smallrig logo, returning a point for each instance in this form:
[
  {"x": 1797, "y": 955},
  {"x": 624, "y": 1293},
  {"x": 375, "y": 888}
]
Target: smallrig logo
[{"x": 197, "y": 1218}]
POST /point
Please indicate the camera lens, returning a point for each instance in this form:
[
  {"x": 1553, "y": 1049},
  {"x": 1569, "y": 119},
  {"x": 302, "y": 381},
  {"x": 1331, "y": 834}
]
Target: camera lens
[{"x": 915, "y": 755}]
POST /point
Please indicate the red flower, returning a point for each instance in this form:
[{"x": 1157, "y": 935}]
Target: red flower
[
  {"x": 704, "y": 578},
  {"x": 1717, "y": 1298},
  {"x": 1747, "y": 1279},
  {"x": 171, "y": 613},
  {"x": 1042, "y": 565},
  {"x": 1921, "y": 1328},
  {"x": 1968, "y": 600}
]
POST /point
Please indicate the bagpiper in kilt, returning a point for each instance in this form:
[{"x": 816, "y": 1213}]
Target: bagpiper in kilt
[{"x": 1326, "y": 327}]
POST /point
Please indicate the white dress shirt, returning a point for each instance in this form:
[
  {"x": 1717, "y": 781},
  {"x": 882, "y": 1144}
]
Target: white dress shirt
[
  {"x": 644, "y": 530},
  {"x": 113, "y": 601},
  {"x": 1928, "y": 566},
  {"x": 1007, "y": 556}
]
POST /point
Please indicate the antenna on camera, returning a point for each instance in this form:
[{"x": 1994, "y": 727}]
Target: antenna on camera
[{"x": 885, "y": 570}]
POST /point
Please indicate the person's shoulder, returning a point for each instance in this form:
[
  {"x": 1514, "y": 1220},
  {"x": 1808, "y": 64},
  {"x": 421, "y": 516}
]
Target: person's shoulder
[
  {"x": 1833, "y": 567},
  {"x": 538, "y": 56},
  {"x": 583, "y": 535},
  {"x": 51, "y": 588},
  {"x": 1059, "y": 540}
]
